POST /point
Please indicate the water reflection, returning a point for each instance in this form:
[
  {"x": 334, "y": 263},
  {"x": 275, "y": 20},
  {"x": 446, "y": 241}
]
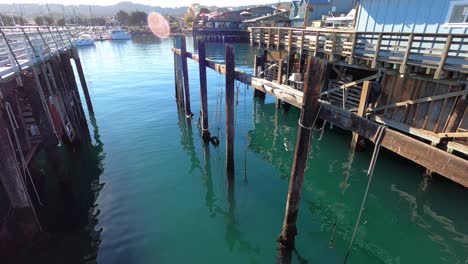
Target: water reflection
[
  {"x": 233, "y": 234},
  {"x": 398, "y": 206}
]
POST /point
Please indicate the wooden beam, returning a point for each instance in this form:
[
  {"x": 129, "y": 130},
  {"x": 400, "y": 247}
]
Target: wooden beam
[
  {"x": 443, "y": 58},
  {"x": 432, "y": 158},
  {"x": 453, "y": 135},
  {"x": 377, "y": 50},
  {"x": 347, "y": 85},
  {"x": 407, "y": 54},
  {"x": 421, "y": 100}
]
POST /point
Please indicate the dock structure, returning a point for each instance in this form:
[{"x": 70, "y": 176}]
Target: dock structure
[{"x": 40, "y": 108}]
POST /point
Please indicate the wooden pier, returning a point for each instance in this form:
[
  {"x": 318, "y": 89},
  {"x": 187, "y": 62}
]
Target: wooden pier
[
  {"x": 412, "y": 108},
  {"x": 40, "y": 108}
]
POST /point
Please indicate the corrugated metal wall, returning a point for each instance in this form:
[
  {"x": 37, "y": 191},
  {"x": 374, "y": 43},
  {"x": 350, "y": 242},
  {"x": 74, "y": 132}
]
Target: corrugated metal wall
[{"x": 418, "y": 16}]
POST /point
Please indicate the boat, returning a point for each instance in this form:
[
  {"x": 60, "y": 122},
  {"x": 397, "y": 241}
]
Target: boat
[
  {"x": 119, "y": 34},
  {"x": 84, "y": 40}
]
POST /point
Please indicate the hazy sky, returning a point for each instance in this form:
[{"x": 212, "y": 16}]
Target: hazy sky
[{"x": 163, "y": 3}]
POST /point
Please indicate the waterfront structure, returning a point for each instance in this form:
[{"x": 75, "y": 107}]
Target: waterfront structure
[
  {"x": 303, "y": 12},
  {"x": 230, "y": 25}
]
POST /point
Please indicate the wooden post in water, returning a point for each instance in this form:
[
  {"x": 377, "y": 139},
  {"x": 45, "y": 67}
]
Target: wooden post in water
[
  {"x": 77, "y": 60},
  {"x": 230, "y": 78},
  {"x": 366, "y": 87},
  {"x": 313, "y": 81},
  {"x": 203, "y": 89},
  {"x": 183, "y": 56},
  {"x": 22, "y": 219}
]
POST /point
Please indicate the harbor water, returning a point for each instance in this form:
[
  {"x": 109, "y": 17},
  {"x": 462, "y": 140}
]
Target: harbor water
[{"x": 165, "y": 196}]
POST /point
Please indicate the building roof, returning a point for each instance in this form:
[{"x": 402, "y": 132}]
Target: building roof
[{"x": 279, "y": 17}]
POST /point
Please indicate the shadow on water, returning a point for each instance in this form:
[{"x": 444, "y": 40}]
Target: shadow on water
[{"x": 70, "y": 215}]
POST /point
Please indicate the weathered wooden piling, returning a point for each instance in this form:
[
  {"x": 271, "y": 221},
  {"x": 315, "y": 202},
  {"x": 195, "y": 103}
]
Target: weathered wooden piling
[
  {"x": 84, "y": 86},
  {"x": 366, "y": 87},
  {"x": 203, "y": 89},
  {"x": 259, "y": 63},
  {"x": 315, "y": 76},
  {"x": 183, "y": 56},
  {"x": 177, "y": 75},
  {"x": 21, "y": 221},
  {"x": 230, "y": 78}
]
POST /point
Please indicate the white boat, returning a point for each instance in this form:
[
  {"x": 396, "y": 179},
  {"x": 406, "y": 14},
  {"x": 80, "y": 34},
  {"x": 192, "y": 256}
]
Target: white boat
[
  {"x": 84, "y": 40},
  {"x": 119, "y": 34}
]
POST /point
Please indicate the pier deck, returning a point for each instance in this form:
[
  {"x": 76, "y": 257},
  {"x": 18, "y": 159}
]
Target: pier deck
[{"x": 434, "y": 159}]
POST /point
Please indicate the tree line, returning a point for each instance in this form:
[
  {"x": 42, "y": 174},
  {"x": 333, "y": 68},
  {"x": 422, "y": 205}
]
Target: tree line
[{"x": 135, "y": 18}]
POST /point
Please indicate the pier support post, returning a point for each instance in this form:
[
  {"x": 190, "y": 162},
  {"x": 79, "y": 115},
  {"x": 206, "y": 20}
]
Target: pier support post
[
  {"x": 21, "y": 222},
  {"x": 177, "y": 75},
  {"x": 366, "y": 87},
  {"x": 77, "y": 60},
  {"x": 183, "y": 56},
  {"x": 203, "y": 89},
  {"x": 315, "y": 76},
  {"x": 259, "y": 62},
  {"x": 230, "y": 75}
]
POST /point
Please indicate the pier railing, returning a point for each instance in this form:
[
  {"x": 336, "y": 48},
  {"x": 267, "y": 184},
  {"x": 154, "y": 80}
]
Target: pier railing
[
  {"x": 22, "y": 47},
  {"x": 434, "y": 52}
]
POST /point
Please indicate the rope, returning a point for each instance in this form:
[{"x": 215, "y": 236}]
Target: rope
[
  {"x": 246, "y": 134},
  {"x": 14, "y": 127},
  {"x": 370, "y": 172},
  {"x": 315, "y": 120}
]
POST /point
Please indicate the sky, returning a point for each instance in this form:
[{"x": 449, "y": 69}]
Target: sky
[{"x": 163, "y": 3}]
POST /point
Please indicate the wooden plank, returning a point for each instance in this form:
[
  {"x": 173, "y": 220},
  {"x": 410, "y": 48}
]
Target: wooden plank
[
  {"x": 350, "y": 84},
  {"x": 454, "y": 135},
  {"x": 433, "y": 111}
]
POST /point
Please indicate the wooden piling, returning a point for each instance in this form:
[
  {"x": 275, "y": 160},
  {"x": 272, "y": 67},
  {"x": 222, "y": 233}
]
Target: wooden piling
[
  {"x": 183, "y": 56},
  {"x": 84, "y": 86},
  {"x": 203, "y": 89},
  {"x": 22, "y": 219},
  {"x": 230, "y": 78},
  {"x": 315, "y": 76},
  {"x": 260, "y": 62},
  {"x": 366, "y": 87},
  {"x": 177, "y": 71}
]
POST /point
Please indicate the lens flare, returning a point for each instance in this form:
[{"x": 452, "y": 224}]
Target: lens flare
[{"x": 158, "y": 25}]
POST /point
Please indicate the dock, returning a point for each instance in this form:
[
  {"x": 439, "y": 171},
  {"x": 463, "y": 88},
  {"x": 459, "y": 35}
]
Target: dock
[{"x": 40, "y": 109}]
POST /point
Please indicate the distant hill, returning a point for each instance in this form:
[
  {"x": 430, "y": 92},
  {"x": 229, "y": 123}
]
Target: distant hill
[{"x": 31, "y": 10}]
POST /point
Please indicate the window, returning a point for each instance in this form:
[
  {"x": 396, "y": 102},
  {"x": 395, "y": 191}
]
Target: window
[{"x": 458, "y": 13}]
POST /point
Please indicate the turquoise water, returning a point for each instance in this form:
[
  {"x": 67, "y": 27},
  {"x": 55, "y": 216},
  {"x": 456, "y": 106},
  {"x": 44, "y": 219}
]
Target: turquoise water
[{"x": 165, "y": 198}]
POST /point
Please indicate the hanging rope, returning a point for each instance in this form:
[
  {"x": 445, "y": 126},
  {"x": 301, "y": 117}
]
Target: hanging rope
[
  {"x": 370, "y": 172},
  {"x": 14, "y": 126},
  {"x": 246, "y": 133}
]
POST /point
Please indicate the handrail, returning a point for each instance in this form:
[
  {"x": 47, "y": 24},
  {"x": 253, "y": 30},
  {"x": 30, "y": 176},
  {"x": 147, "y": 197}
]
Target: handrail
[
  {"x": 26, "y": 46},
  {"x": 436, "y": 52}
]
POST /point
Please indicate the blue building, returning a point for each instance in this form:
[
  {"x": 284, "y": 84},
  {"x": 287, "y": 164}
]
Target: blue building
[
  {"x": 315, "y": 9},
  {"x": 413, "y": 16}
]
